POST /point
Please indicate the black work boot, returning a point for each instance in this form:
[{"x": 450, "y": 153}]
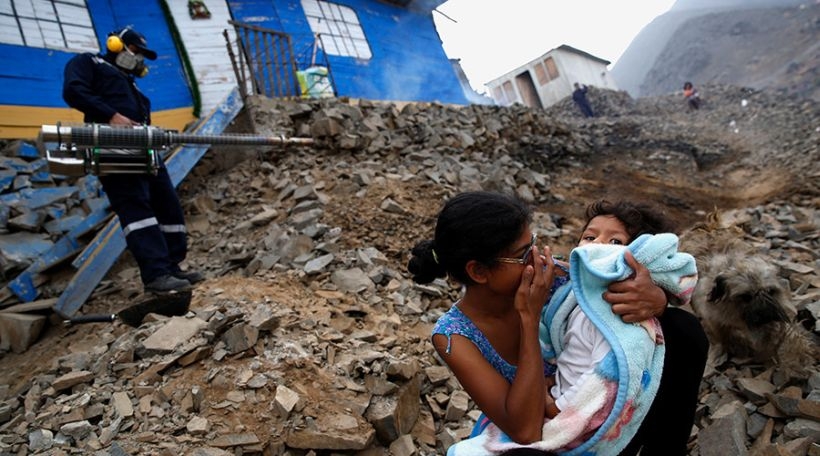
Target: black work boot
[
  {"x": 167, "y": 284},
  {"x": 191, "y": 276}
]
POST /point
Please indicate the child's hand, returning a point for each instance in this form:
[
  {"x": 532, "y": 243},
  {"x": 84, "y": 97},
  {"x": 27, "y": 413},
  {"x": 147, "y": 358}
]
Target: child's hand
[
  {"x": 636, "y": 298},
  {"x": 536, "y": 279},
  {"x": 550, "y": 409}
]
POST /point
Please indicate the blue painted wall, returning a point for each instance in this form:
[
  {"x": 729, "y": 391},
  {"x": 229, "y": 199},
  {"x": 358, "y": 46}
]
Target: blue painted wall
[
  {"x": 34, "y": 76},
  {"x": 408, "y": 62}
]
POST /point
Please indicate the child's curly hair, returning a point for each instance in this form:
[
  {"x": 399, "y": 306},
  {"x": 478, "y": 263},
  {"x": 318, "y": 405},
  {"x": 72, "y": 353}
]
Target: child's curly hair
[{"x": 638, "y": 218}]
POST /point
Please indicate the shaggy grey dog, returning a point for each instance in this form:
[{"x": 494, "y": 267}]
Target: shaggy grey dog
[{"x": 743, "y": 302}]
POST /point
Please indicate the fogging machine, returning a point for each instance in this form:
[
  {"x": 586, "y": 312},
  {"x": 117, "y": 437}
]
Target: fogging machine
[{"x": 105, "y": 149}]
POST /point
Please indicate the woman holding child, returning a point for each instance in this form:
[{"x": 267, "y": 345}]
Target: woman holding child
[{"x": 490, "y": 337}]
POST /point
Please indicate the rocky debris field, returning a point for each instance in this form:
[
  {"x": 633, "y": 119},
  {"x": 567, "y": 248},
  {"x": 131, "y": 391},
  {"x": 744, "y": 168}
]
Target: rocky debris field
[{"x": 309, "y": 338}]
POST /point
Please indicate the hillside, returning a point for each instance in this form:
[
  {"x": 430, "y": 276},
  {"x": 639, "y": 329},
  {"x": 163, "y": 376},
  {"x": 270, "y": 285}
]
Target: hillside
[
  {"x": 763, "y": 44},
  {"x": 308, "y": 337}
]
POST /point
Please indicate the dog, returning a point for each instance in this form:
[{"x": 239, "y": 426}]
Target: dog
[{"x": 743, "y": 302}]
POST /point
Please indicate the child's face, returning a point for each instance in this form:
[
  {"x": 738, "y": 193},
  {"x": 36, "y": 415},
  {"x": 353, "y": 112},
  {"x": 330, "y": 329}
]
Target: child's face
[{"x": 605, "y": 229}]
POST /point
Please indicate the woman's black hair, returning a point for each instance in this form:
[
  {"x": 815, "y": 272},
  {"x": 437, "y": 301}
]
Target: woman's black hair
[
  {"x": 471, "y": 226},
  {"x": 638, "y": 218}
]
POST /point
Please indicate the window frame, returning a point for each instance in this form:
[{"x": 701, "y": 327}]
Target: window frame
[
  {"x": 552, "y": 68},
  {"x": 541, "y": 74},
  {"x": 338, "y": 29},
  {"x": 64, "y": 25}
]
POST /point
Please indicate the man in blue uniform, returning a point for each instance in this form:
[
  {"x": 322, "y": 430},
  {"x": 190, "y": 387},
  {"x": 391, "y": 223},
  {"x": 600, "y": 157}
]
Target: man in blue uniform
[{"x": 104, "y": 89}]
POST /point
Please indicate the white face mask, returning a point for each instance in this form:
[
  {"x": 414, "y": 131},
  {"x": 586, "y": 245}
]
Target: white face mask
[{"x": 131, "y": 63}]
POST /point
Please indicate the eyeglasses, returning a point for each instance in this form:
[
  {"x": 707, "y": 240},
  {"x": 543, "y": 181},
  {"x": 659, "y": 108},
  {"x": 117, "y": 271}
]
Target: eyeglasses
[{"x": 525, "y": 258}]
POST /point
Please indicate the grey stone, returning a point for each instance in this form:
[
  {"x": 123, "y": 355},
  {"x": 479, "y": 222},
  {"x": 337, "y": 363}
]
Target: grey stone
[
  {"x": 19, "y": 331},
  {"x": 802, "y": 427},
  {"x": 392, "y": 207},
  {"x": 198, "y": 426},
  {"x": 317, "y": 265},
  {"x": 172, "y": 334},
  {"x": 122, "y": 404},
  {"x": 726, "y": 436},
  {"x": 457, "y": 405},
  {"x": 240, "y": 337},
  {"x": 71, "y": 379},
  {"x": 403, "y": 446},
  {"x": 285, "y": 400},
  {"x": 232, "y": 440},
  {"x": 328, "y": 438},
  {"x": 437, "y": 375},
  {"x": 77, "y": 430},
  {"x": 754, "y": 389},
  {"x": 395, "y": 416},
  {"x": 351, "y": 280},
  {"x": 40, "y": 440},
  {"x": 264, "y": 217}
]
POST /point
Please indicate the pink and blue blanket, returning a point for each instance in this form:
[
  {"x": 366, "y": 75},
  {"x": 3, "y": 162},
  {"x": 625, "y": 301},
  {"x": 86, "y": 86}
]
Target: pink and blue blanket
[{"x": 612, "y": 401}]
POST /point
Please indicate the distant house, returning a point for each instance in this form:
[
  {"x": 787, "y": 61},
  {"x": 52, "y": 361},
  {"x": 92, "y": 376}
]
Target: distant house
[
  {"x": 360, "y": 47},
  {"x": 549, "y": 78}
]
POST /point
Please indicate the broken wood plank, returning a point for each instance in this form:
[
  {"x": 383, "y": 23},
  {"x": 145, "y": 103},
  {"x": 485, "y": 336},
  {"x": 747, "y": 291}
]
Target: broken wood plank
[
  {"x": 67, "y": 246},
  {"x": 35, "y": 198},
  {"x": 6, "y": 178},
  {"x": 34, "y": 306},
  {"x": 22, "y": 166},
  {"x": 22, "y": 248}
]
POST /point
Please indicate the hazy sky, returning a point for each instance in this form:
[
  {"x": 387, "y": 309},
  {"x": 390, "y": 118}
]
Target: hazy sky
[{"x": 492, "y": 37}]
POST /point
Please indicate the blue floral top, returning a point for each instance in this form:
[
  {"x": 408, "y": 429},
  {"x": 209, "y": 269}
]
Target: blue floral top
[{"x": 455, "y": 322}]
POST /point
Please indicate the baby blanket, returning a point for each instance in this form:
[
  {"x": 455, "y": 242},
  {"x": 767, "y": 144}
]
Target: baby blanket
[{"x": 611, "y": 402}]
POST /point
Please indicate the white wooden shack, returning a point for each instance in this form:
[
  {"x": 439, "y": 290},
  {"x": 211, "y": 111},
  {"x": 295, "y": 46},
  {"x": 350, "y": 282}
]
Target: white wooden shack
[{"x": 549, "y": 78}]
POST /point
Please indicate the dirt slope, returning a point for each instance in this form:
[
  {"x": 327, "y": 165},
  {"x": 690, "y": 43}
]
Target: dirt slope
[
  {"x": 728, "y": 155},
  {"x": 765, "y": 45}
]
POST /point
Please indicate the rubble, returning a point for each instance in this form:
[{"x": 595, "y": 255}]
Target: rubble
[{"x": 308, "y": 337}]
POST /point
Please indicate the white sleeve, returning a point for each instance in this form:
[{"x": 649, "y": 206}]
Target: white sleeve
[{"x": 584, "y": 347}]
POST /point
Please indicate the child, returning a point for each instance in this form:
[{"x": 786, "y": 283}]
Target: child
[
  {"x": 666, "y": 429},
  {"x": 579, "y": 325},
  {"x": 489, "y": 338},
  {"x": 607, "y": 223},
  {"x": 691, "y": 95}
]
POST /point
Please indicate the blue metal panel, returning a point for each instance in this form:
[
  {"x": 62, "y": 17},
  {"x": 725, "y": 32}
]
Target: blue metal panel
[{"x": 100, "y": 255}]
